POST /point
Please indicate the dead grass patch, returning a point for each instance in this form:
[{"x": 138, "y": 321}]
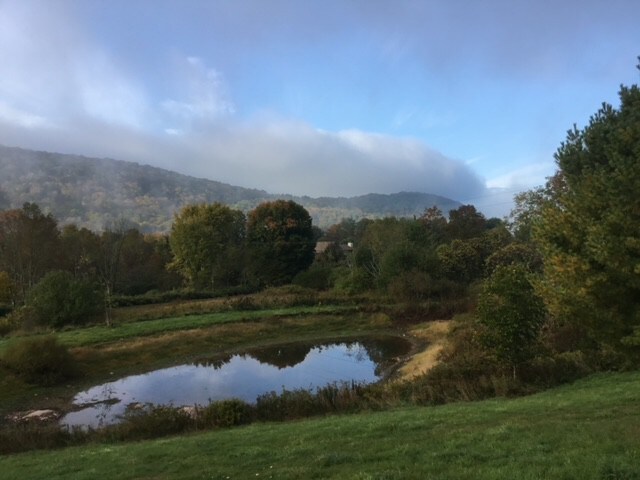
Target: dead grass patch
[{"x": 434, "y": 335}]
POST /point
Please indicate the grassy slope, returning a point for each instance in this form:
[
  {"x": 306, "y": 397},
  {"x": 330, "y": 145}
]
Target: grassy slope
[
  {"x": 589, "y": 430},
  {"x": 102, "y": 334}
]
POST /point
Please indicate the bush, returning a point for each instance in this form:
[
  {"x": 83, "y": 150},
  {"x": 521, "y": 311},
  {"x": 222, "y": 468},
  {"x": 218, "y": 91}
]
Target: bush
[
  {"x": 446, "y": 383},
  {"x": 555, "y": 370},
  {"x": 408, "y": 313},
  {"x": 7, "y": 325},
  {"x": 352, "y": 282},
  {"x": 153, "y": 421},
  {"x": 60, "y": 299},
  {"x": 226, "y": 413},
  {"x": 284, "y": 290},
  {"x": 23, "y": 317},
  {"x": 286, "y": 296},
  {"x": 295, "y": 404},
  {"x": 317, "y": 277},
  {"x": 412, "y": 286},
  {"x": 287, "y": 405},
  {"x": 241, "y": 304},
  {"x": 7, "y": 288},
  {"x": 155, "y": 296},
  {"x": 19, "y": 438},
  {"x": 40, "y": 360}
]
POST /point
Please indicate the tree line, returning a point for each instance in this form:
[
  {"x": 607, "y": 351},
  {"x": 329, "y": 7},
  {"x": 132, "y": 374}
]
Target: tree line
[
  {"x": 213, "y": 247},
  {"x": 68, "y": 274}
]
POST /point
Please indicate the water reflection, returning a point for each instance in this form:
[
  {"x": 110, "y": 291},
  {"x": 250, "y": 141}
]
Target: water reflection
[{"x": 246, "y": 376}]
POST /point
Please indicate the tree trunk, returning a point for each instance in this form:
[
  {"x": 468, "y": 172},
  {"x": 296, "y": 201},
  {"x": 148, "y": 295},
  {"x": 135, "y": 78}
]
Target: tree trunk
[{"x": 107, "y": 305}]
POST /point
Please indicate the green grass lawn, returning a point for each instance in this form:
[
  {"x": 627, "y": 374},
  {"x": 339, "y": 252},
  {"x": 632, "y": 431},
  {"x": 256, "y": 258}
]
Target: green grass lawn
[
  {"x": 97, "y": 334},
  {"x": 588, "y": 430}
]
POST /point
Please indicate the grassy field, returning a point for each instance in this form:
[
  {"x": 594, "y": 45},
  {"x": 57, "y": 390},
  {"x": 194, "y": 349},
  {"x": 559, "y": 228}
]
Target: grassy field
[
  {"x": 97, "y": 334},
  {"x": 588, "y": 430}
]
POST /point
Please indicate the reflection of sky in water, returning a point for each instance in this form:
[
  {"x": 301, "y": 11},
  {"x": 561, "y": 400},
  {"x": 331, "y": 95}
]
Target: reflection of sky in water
[{"x": 242, "y": 377}]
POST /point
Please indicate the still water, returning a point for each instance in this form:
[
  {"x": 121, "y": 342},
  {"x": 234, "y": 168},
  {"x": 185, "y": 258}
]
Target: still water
[{"x": 245, "y": 376}]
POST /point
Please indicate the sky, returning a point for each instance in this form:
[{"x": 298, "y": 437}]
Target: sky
[{"x": 467, "y": 99}]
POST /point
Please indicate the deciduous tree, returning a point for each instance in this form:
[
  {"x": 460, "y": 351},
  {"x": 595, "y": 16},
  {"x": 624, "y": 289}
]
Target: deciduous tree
[
  {"x": 29, "y": 246},
  {"x": 107, "y": 262},
  {"x": 512, "y": 314},
  {"x": 465, "y": 222},
  {"x": 280, "y": 240},
  {"x": 207, "y": 241},
  {"x": 6, "y": 288}
]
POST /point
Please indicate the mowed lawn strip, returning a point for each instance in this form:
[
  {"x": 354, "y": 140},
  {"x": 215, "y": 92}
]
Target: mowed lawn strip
[
  {"x": 588, "y": 430},
  {"x": 99, "y": 334}
]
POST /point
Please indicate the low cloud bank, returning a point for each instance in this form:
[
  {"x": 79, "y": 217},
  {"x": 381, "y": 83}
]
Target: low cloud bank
[{"x": 277, "y": 156}]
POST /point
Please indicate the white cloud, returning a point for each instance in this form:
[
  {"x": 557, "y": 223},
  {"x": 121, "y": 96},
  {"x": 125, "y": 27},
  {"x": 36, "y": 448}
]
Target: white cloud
[
  {"x": 202, "y": 94},
  {"x": 108, "y": 94},
  {"x": 497, "y": 201},
  {"x": 293, "y": 157},
  {"x": 55, "y": 74},
  {"x": 52, "y": 72},
  {"x": 279, "y": 156},
  {"x": 14, "y": 116},
  {"x": 524, "y": 177}
]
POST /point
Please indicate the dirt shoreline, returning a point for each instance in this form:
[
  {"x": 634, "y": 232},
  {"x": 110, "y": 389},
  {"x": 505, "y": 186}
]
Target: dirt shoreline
[{"x": 434, "y": 335}]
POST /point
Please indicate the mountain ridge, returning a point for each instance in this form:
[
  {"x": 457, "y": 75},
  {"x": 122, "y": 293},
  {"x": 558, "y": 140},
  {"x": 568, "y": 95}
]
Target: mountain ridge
[{"x": 91, "y": 191}]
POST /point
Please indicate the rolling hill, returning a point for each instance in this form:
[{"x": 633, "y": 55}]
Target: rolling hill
[{"x": 92, "y": 191}]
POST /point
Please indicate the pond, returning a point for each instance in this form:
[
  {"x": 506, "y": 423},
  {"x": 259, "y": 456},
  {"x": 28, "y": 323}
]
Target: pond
[{"x": 245, "y": 376}]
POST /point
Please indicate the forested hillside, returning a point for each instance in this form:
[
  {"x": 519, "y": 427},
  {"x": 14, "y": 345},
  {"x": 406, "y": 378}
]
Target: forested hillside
[{"x": 91, "y": 192}]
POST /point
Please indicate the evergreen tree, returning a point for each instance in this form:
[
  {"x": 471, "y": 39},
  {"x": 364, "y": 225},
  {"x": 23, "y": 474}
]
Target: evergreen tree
[{"x": 588, "y": 228}]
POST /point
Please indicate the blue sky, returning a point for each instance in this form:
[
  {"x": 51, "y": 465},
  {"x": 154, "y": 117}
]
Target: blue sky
[{"x": 467, "y": 99}]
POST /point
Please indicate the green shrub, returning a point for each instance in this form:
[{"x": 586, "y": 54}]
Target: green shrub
[
  {"x": 40, "y": 360},
  {"x": 241, "y": 304},
  {"x": 155, "y": 296},
  {"x": 60, "y": 299},
  {"x": 23, "y": 437},
  {"x": 287, "y": 405},
  {"x": 284, "y": 290},
  {"x": 353, "y": 281},
  {"x": 152, "y": 421},
  {"x": 294, "y": 404},
  {"x": 412, "y": 286},
  {"x": 7, "y": 288},
  {"x": 226, "y": 413},
  {"x": 342, "y": 398},
  {"x": 286, "y": 296},
  {"x": 317, "y": 277},
  {"x": 24, "y": 317},
  {"x": 6, "y": 326},
  {"x": 555, "y": 370}
]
